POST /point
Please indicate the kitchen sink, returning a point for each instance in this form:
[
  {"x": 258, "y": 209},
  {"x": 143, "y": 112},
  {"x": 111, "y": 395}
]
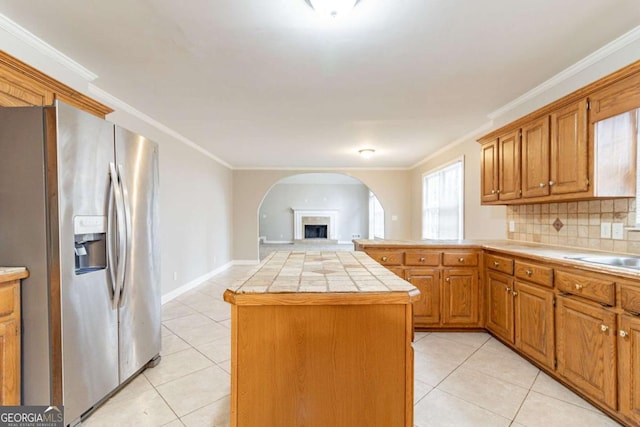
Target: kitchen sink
[{"x": 614, "y": 261}]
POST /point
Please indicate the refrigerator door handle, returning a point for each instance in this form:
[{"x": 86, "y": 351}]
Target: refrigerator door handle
[
  {"x": 111, "y": 250},
  {"x": 127, "y": 237},
  {"x": 121, "y": 226}
]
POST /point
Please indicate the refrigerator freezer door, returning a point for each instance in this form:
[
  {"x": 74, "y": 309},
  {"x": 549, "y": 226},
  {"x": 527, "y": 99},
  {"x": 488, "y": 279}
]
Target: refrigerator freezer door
[
  {"x": 137, "y": 160},
  {"x": 85, "y": 148}
]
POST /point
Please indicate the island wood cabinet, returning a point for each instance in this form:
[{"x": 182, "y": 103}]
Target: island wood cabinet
[{"x": 10, "y": 337}]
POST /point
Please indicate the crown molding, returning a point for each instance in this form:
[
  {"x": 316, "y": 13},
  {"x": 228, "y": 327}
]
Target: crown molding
[
  {"x": 595, "y": 57},
  {"x": 45, "y": 48},
  {"x": 464, "y": 138},
  {"x": 120, "y": 105}
]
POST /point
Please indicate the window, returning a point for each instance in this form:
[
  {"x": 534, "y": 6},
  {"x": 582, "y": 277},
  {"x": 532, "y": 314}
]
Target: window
[
  {"x": 376, "y": 218},
  {"x": 442, "y": 202}
]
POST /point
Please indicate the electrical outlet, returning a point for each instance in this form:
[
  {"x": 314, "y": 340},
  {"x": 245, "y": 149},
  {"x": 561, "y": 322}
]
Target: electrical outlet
[
  {"x": 355, "y": 236},
  {"x": 605, "y": 230},
  {"x": 617, "y": 231},
  {"x": 175, "y": 275},
  {"x": 394, "y": 217},
  {"x": 512, "y": 226}
]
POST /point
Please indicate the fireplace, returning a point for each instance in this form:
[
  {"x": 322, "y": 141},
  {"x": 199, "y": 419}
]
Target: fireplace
[
  {"x": 313, "y": 231},
  {"x": 315, "y": 224}
]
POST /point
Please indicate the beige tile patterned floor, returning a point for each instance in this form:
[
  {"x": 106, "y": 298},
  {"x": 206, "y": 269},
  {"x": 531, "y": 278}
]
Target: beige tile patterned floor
[{"x": 461, "y": 379}]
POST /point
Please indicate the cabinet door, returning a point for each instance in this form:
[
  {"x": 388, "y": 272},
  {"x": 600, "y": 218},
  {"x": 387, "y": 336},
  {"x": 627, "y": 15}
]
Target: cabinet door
[
  {"x": 500, "y": 305},
  {"x": 534, "y": 322},
  {"x": 426, "y": 311},
  {"x": 629, "y": 370},
  {"x": 535, "y": 158},
  {"x": 509, "y": 171},
  {"x": 10, "y": 363},
  {"x": 569, "y": 149},
  {"x": 586, "y": 343},
  {"x": 489, "y": 171},
  {"x": 460, "y": 294}
]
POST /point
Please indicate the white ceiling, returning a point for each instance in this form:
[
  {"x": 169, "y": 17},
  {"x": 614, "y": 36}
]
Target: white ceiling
[
  {"x": 265, "y": 83},
  {"x": 321, "y": 178}
]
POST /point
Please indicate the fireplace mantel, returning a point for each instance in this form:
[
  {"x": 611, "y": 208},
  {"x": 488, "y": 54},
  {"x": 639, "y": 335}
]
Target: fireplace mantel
[{"x": 330, "y": 214}]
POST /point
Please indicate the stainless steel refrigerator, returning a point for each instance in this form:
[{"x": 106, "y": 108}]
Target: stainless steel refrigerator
[{"x": 79, "y": 209}]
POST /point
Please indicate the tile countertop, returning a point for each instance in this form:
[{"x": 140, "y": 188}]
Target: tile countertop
[
  {"x": 320, "y": 272},
  {"x": 12, "y": 273},
  {"x": 539, "y": 251}
]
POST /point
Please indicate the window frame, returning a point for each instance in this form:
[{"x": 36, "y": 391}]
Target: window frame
[{"x": 461, "y": 211}]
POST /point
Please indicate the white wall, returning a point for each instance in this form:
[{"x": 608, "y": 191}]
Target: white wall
[{"x": 351, "y": 201}]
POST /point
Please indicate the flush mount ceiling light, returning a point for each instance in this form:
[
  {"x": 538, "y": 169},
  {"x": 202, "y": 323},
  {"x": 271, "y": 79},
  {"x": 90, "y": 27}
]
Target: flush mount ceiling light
[
  {"x": 332, "y": 8},
  {"x": 366, "y": 152}
]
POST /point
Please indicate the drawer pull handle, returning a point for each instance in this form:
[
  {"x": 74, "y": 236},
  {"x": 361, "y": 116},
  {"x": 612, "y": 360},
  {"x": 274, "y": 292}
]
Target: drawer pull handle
[
  {"x": 496, "y": 263},
  {"x": 579, "y": 286},
  {"x": 384, "y": 259},
  {"x": 422, "y": 259},
  {"x": 461, "y": 259},
  {"x": 529, "y": 272},
  {"x": 604, "y": 328},
  {"x": 624, "y": 334}
]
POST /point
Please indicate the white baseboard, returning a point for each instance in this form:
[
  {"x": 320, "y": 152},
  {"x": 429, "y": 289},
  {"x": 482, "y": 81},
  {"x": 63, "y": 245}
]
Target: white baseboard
[
  {"x": 194, "y": 283},
  {"x": 277, "y": 242},
  {"x": 345, "y": 242}
]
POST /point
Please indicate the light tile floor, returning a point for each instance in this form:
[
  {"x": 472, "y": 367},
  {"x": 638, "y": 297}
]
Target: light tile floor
[{"x": 461, "y": 379}]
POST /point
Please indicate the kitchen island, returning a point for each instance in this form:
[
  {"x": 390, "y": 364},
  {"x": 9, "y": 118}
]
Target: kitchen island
[{"x": 321, "y": 339}]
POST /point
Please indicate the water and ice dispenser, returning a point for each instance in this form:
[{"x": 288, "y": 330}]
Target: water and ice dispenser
[{"x": 90, "y": 241}]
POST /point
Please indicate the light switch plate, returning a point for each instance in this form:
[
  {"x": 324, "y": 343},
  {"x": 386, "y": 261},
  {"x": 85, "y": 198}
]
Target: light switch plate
[
  {"x": 605, "y": 230},
  {"x": 512, "y": 226},
  {"x": 617, "y": 231}
]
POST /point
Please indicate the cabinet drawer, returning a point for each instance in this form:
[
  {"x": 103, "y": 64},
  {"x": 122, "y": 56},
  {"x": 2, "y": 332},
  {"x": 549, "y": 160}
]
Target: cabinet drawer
[
  {"x": 630, "y": 298},
  {"x": 598, "y": 290},
  {"x": 452, "y": 259},
  {"x": 8, "y": 298},
  {"x": 534, "y": 273},
  {"x": 498, "y": 263},
  {"x": 422, "y": 258},
  {"x": 387, "y": 257}
]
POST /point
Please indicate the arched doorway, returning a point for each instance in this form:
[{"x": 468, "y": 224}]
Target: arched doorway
[{"x": 318, "y": 211}]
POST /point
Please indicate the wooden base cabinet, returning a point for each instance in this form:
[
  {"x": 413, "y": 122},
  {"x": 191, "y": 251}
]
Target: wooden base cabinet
[
  {"x": 461, "y": 297},
  {"x": 500, "y": 306},
  {"x": 586, "y": 348},
  {"x": 629, "y": 367},
  {"x": 10, "y": 338},
  {"x": 426, "y": 311},
  {"x": 534, "y": 328}
]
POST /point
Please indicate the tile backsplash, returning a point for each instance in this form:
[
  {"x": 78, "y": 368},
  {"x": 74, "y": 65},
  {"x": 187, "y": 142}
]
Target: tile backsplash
[{"x": 575, "y": 224}]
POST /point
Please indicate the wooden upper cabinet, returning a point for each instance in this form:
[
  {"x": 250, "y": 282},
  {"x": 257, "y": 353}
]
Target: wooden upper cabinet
[
  {"x": 535, "y": 158},
  {"x": 569, "y": 149},
  {"x": 489, "y": 171},
  {"x": 509, "y": 166},
  {"x": 22, "y": 85}
]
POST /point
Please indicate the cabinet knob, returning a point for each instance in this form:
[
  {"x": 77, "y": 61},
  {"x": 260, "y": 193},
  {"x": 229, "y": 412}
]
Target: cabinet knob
[
  {"x": 493, "y": 191},
  {"x": 384, "y": 259},
  {"x": 408, "y": 279},
  {"x": 422, "y": 259},
  {"x": 496, "y": 263},
  {"x": 498, "y": 191},
  {"x": 624, "y": 334},
  {"x": 604, "y": 328},
  {"x": 578, "y": 286},
  {"x": 508, "y": 290},
  {"x": 529, "y": 272},
  {"x": 551, "y": 183},
  {"x": 448, "y": 279},
  {"x": 461, "y": 259},
  {"x": 515, "y": 293},
  {"x": 542, "y": 185}
]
